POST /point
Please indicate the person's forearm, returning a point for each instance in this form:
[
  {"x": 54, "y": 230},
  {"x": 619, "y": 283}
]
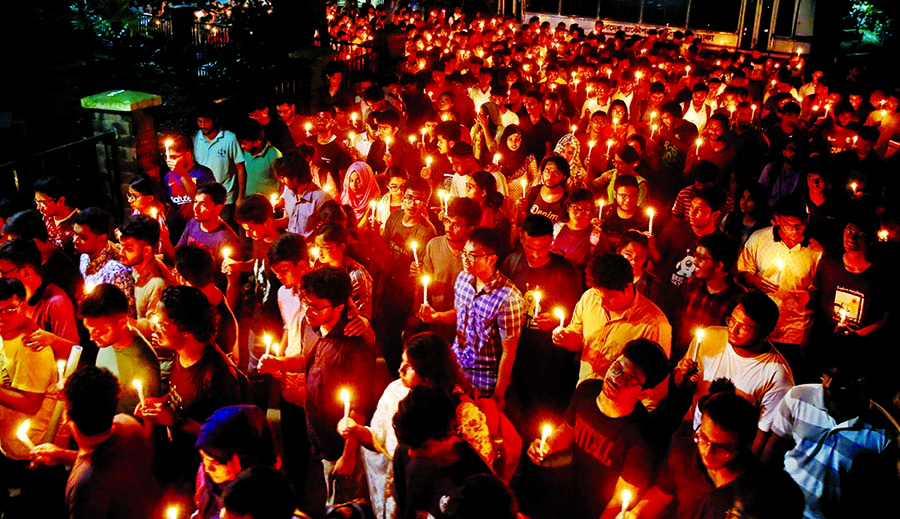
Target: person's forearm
[
  {"x": 241, "y": 181},
  {"x": 507, "y": 359}
]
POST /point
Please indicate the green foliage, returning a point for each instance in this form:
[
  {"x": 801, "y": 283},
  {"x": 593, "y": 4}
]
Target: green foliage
[
  {"x": 105, "y": 19},
  {"x": 867, "y": 17}
]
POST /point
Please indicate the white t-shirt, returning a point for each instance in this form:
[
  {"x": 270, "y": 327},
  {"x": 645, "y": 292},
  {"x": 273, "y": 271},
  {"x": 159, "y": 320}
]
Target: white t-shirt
[{"x": 763, "y": 379}]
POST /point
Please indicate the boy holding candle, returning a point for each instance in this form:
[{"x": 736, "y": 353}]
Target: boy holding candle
[
  {"x": 123, "y": 351},
  {"x": 614, "y": 442}
]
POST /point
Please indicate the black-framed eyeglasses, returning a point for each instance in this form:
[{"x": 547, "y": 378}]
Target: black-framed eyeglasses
[
  {"x": 616, "y": 370},
  {"x": 11, "y": 309},
  {"x": 4, "y": 273},
  {"x": 42, "y": 203},
  {"x": 314, "y": 309},
  {"x": 472, "y": 256},
  {"x": 413, "y": 200},
  {"x": 714, "y": 447},
  {"x": 738, "y": 326}
]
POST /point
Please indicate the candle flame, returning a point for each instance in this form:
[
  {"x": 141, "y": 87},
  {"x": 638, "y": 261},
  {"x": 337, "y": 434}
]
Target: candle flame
[
  {"x": 650, "y": 212},
  {"x": 22, "y": 433},
  {"x": 626, "y": 499},
  {"x": 137, "y": 385},
  {"x": 426, "y": 279},
  {"x": 559, "y": 313},
  {"x": 700, "y": 333},
  {"x": 345, "y": 395},
  {"x": 226, "y": 252},
  {"x": 172, "y": 512}
]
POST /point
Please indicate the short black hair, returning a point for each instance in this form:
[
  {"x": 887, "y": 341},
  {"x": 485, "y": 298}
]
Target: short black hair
[
  {"x": 260, "y": 493},
  {"x": 141, "y": 228},
  {"x": 722, "y": 248},
  {"x": 427, "y": 413},
  {"x": 195, "y": 264},
  {"x": 329, "y": 283},
  {"x": 92, "y": 398},
  {"x": 713, "y": 196},
  {"x": 54, "y": 187},
  {"x": 11, "y": 287},
  {"x": 333, "y": 232},
  {"x": 537, "y": 225},
  {"x": 704, "y": 172},
  {"x": 484, "y": 496},
  {"x": 254, "y": 209},
  {"x": 581, "y": 194},
  {"x": 27, "y": 225},
  {"x": 21, "y": 253},
  {"x": 650, "y": 358},
  {"x": 238, "y": 430},
  {"x": 672, "y": 108},
  {"x": 791, "y": 207},
  {"x": 94, "y": 218},
  {"x": 104, "y": 300},
  {"x": 419, "y": 186},
  {"x": 611, "y": 272},
  {"x": 293, "y": 165},
  {"x": 487, "y": 238},
  {"x": 561, "y": 164},
  {"x": 216, "y": 192},
  {"x": 733, "y": 413},
  {"x": 465, "y": 208},
  {"x": 760, "y": 309},
  {"x": 250, "y": 130},
  {"x": 191, "y": 312},
  {"x": 625, "y": 181},
  {"x": 288, "y": 247}
]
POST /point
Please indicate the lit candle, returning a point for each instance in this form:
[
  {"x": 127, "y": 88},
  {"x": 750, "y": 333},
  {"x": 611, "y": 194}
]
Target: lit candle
[
  {"x": 524, "y": 182},
  {"x": 600, "y": 212},
  {"x": 61, "y": 372},
  {"x": 89, "y": 287},
  {"x": 22, "y": 434},
  {"x": 168, "y": 144},
  {"x": 373, "y": 208},
  {"x": 154, "y": 213},
  {"x": 273, "y": 199},
  {"x": 445, "y": 200},
  {"x": 828, "y": 107},
  {"x": 699, "y": 141},
  {"x": 267, "y": 340},
  {"x": 496, "y": 158},
  {"x": 638, "y": 75},
  {"x": 414, "y": 245},
  {"x": 226, "y": 253},
  {"x": 853, "y": 186},
  {"x": 650, "y": 212},
  {"x": 537, "y": 302},
  {"x": 731, "y": 112},
  {"x": 574, "y": 129},
  {"x": 426, "y": 279},
  {"x": 753, "y": 114},
  {"x": 687, "y": 70},
  {"x": 699, "y": 334},
  {"x": 546, "y": 431},
  {"x": 313, "y": 254},
  {"x": 615, "y": 122},
  {"x": 591, "y": 147},
  {"x": 352, "y": 136},
  {"x": 345, "y": 398},
  {"x": 412, "y": 139},
  {"x": 561, "y": 315},
  {"x": 307, "y": 127},
  {"x": 387, "y": 144},
  {"x": 428, "y": 161},
  {"x": 653, "y": 128},
  {"x": 883, "y": 235},
  {"x": 172, "y": 512},
  {"x": 609, "y": 144},
  {"x": 626, "y": 500},
  {"x": 140, "y": 389},
  {"x": 423, "y": 131},
  {"x": 653, "y": 116},
  {"x": 843, "y": 321}
]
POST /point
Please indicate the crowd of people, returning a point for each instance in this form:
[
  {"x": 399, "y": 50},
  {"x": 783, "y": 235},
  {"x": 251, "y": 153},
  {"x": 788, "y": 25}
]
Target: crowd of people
[{"x": 535, "y": 270}]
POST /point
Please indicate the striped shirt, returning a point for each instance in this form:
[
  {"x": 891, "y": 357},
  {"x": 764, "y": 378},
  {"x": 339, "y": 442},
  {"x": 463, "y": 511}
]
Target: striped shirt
[
  {"x": 826, "y": 451},
  {"x": 485, "y": 318}
]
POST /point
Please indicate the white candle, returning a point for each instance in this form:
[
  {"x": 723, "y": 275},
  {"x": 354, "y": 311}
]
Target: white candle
[
  {"x": 140, "y": 389},
  {"x": 546, "y": 431},
  {"x": 853, "y": 186},
  {"x": 424, "y": 131},
  {"x": 387, "y": 144},
  {"x": 154, "y": 213},
  {"x": 226, "y": 252},
  {"x": 307, "y": 127},
  {"x": 883, "y": 235},
  {"x": 412, "y": 139},
  {"x": 273, "y": 199},
  {"x": 600, "y": 212},
  {"x": 426, "y": 279},
  {"x": 699, "y": 141},
  {"x": 699, "y": 334},
  {"x": 428, "y": 161},
  {"x": 524, "y": 182},
  {"x": 345, "y": 398},
  {"x": 574, "y": 129},
  {"x": 168, "y": 143},
  {"x": 843, "y": 320},
  {"x": 537, "y": 302},
  {"x": 561, "y": 315},
  {"x": 267, "y": 340},
  {"x": 591, "y": 147},
  {"x": 609, "y": 144},
  {"x": 626, "y": 500},
  {"x": 61, "y": 372},
  {"x": 753, "y": 114},
  {"x": 414, "y": 245},
  {"x": 496, "y": 158},
  {"x": 22, "y": 434},
  {"x": 353, "y": 118},
  {"x": 172, "y": 512},
  {"x": 650, "y": 213},
  {"x": 373, "y": 208},
  {"x": 653, "y": 128}
]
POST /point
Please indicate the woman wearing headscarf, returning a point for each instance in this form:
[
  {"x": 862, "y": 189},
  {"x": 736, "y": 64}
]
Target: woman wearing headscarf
[
  {"x": 486, "y": 132},
  {"x": 570, "y": 149},
  {"x": 360, "y": 191},
  {"x": 517, "y": 165}
]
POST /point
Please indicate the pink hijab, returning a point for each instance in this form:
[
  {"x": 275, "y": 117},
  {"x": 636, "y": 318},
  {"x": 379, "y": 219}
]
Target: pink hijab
[{"x": 369, "y": 192}]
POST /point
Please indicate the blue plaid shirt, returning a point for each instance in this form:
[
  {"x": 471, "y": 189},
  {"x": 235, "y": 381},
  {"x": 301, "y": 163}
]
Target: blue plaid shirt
[{"x": 483, "y": 319}]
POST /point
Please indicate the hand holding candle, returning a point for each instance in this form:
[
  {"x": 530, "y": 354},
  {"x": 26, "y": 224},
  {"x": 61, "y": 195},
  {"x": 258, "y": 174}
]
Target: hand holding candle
[
  {"x": 546, "y": 431},
  {"x": 561, "y": 315}
]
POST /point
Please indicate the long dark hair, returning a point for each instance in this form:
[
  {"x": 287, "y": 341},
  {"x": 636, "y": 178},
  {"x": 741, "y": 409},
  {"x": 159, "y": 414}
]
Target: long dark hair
[
  {"x": 433, "y": 360},
  {"x": 510, "y": 160},
  {"x": 486, "y": 181}
]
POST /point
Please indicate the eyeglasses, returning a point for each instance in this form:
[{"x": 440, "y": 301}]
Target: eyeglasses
[
  {"x": 468, "y": 255},
  {"x": 714, "y": 448},
  {"x": 314, "y": 309},
  {"x": 396, "y": 187},
  {"x": 43, "y": 203},
  {"x": 11, "y": 309},
  {"x": 625, "y": 196},
  {"x": 4, "y": 273},
  {"x": 738, "y": 326},
  {"x": 131, "y": 198},
  {"x": 616, "y": 370},
  {"x": 452, "y": 224},
  {"x": 413, "y": 200},
  {"x": 579, "y": 210}
]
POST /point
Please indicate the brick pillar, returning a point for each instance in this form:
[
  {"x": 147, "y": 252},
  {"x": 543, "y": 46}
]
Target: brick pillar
[{"x": 124, "y": 112}]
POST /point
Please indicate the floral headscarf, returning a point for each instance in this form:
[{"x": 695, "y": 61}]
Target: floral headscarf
[{"x": 569, "y": 147}]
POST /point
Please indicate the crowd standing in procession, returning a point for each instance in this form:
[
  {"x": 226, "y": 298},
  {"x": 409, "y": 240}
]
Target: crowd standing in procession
[{"x": 534, "y": 270}]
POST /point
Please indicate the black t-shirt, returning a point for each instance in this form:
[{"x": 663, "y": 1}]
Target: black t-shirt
[
  {"x": 614, "y": 226},
  {"x": 422, "y": 485},
  {"x": 555, "y": 211},
  {"x": 606, "y": 449},
  {"x": 862, "y": 295}
]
